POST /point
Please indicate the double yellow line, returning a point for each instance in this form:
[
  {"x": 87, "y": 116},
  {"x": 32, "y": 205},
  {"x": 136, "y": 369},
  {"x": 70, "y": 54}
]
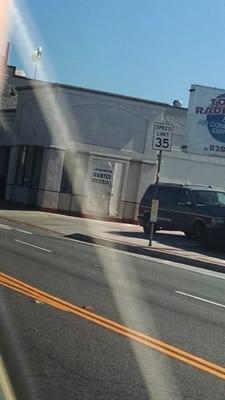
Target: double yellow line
[{"x": 122, "y": 330}]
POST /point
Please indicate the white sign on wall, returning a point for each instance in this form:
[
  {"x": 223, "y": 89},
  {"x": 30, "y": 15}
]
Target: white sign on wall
[
  {"x": 102, "y": 175},
  {"x": 154, "y": 210},
  {"x": 162, "y": 136},
  {"x": 205, "y": 128}
]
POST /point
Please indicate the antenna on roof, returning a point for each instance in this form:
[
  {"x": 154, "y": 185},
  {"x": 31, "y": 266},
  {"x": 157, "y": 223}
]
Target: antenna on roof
[
  {"x": 36, "y": 56},
  {"x": 7, "y": 53}
]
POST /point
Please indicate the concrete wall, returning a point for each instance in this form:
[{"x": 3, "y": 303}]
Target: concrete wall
[
  {"x": 50, "y": 179},
  {"x": 50, "y": 115},
  {"x": 130, "y": 200},
  {"x": 7, "y": 127},
  {"x": 77, "y": 173},
  {"x": 193, "y": 169}
]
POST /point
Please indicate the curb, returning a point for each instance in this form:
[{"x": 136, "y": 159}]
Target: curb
[
  {"x": 130, "y": 248},
  {"x": 147, "y": 252}
]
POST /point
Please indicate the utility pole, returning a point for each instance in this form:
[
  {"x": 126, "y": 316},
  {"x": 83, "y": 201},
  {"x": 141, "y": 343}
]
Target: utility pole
[{"x": 7, "y": 53}]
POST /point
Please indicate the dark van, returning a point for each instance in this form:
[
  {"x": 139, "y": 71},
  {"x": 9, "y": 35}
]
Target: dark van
[{"x": 198, "y": 211}]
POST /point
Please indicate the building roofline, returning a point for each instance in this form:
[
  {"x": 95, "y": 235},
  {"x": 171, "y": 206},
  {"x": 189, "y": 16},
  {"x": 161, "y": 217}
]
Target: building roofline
[
  {"x": 20, "y": 76},
  {"x": 42, "y": 85},
  {"x": 33, "y": 84}
]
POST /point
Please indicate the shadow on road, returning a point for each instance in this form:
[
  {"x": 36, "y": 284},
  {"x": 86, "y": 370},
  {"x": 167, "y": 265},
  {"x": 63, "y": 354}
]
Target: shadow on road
[
  {"x": 178, "y": 241},
  {"x": 176, "y": 256}
]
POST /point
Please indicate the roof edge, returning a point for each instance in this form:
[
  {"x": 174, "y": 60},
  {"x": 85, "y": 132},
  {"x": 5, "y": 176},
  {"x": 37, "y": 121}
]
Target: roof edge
[{"x": 43, "y": 85}]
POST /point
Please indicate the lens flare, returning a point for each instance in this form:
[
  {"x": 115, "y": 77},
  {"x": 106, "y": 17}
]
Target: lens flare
[{"x": 157, "y": 377}]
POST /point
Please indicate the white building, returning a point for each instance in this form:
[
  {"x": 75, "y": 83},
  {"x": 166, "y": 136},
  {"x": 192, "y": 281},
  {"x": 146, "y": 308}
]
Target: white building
[{"x": 86, "y": 152}]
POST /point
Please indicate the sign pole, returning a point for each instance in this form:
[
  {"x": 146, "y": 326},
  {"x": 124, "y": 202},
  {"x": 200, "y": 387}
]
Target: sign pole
[
  {"x": 158, "y": 166},
  {"x": 155, "y": 202}
]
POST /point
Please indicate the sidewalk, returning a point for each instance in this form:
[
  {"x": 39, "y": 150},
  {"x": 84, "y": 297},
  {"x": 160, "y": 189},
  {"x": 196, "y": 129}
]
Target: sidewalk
[{"x": 166, "y": 245}]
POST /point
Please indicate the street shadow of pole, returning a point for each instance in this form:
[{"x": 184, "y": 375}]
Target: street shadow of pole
[
  {"x": 180, "y": 242},
  {"x": 177, "y": 256}
]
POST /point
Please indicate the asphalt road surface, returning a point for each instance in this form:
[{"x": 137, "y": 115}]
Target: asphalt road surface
[{"x": 109, "y": 325}]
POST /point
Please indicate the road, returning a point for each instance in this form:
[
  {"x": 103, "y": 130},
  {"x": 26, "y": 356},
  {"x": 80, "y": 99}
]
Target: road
[{"x": 69, "y": 352}]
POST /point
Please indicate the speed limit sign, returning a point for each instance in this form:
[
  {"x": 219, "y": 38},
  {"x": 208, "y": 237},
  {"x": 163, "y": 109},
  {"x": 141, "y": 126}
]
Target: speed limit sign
[{"x": 162, "y": 136}]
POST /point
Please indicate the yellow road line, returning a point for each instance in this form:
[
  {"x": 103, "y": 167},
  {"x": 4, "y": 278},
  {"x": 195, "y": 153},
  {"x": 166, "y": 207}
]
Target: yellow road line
[{"x": 120, "y": 329}]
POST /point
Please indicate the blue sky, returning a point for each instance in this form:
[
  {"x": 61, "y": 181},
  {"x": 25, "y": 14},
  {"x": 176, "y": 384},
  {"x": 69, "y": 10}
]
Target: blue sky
[{"x": 142, "y": 48}]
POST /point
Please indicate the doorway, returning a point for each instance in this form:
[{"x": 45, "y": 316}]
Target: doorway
[{"x": 105, "y": 185}]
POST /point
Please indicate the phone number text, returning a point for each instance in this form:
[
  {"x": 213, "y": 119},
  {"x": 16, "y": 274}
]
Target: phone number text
[{"x": 213, "y": 147}]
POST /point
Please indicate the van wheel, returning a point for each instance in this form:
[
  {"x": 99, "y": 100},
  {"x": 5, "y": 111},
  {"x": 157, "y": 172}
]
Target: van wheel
[
  {"x": 146, "y": 223},
  {"x": 200, "y": 232}
]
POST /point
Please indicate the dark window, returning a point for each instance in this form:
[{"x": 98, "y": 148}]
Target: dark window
[
  {"x": 68, "y": 173},
  {"x": 167, "y": 196},
  {"x": 210, "y": 198},
  {"x": 4, "y": 161},
  {"x": 184, "y": 197},
  {"x": 29, "y": 166}
]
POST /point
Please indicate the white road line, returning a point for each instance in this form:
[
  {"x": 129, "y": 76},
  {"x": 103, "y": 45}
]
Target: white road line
[
  {"x": 32, "y": 245},
  {"x": 22, "y": 231},
  {"x": 10, "y": 228},
  {"x": 6, "y": 227},
  {"x": 200, "y": 299}
]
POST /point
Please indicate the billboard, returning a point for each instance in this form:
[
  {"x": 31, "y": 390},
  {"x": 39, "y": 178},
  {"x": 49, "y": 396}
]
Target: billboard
[{"x": 205, "y": 127}]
